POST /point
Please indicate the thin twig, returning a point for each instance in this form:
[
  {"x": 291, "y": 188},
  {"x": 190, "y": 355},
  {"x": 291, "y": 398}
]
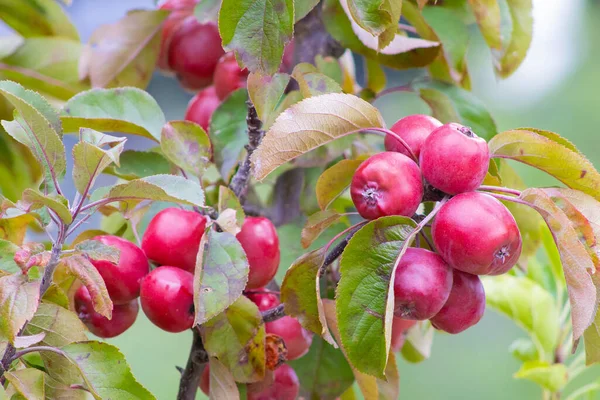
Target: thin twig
[
  {"x": 190, "y": 376},
  {"x": 239, "y": 182},
  {"x": 274, "y": 313}
]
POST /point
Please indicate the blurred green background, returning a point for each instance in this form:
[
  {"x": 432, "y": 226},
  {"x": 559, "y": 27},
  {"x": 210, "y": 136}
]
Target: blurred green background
[{"x": 557, "y": 88}]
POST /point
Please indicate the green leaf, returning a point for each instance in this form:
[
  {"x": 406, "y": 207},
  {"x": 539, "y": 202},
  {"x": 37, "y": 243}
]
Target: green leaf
[
  {"x": 418, "y": 342},
  {"x": 14, "y": 228},
  {"x": 303, "y": 7},
  {"x": 520, "y": 38},
  {"x": 228, "y": 132},
  {"x": 32, "y": 18},
  {"x": 125, "y": 110},
  {"x": 171, "y": 188},
  {"x": 186, "y": 145},
  {"x": 586, "y": 391},
  {"x": 450, "y": 103},
  {"x": 125, "y": 52},
  {"x": 543, "y": 152},
  {"x": 551, "y": 377},
  {"x": 301, "y": 295},
  {"x": 222, "y": 385},
  {"x": 257, "y": 30},
  {"x": 309, "y": 124},
  {"x": 7, "y": 254},
  {"x": 221, "y": 274},
  {"x": 316, "y": 224},
  {"x": 237, "y": 338},
  {"x": 365, "y": 297},
  {"x": 312, "y": 82},
  {"x": 28, "y": 382},
  {"x": 59, "y": 325},
  {"x": 105, "y": 371},
  {"x": 228, "y": 200},
  {"x": 375, "y": 76},
  {"x": 266, "y": 92},
  {"x": 389, "y": 389},
  {"x": 335, "y": 180},
  {"x": 96, "y": 250},
  {"x": 323, "y": 372},
  {"x": 18, "y": 302},
  {"x": 527, "y": 304},
  {"x": 487, "y": 14},
  {"x": 378, "y": 17},
  {"x": 402, "y": 53},
  {"x": 86, "y": 272},
  {"x": 33, "y": 200},
  {"x": 46, "y": 64},
  {"x": 90, "y": 159},
  {"x": 135, "y": 164},
  {"x": 36, "y": 126},
  {"x": 207, "y": 10},
  {"x": 524, "y": 349}
]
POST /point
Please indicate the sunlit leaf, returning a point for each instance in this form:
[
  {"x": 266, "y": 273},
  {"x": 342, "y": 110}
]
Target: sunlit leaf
[
  {"x": 228, "y": 200},
  {"x": 31, "y": 18},
  {"x": 135, "y": 164},
  {"x": 221, "y": 274},
  {"x": 528, "y": 305},
  {"x": 33, "y": 200},
  {"x": 520, "y": 39},
  {"x": 549, "y": 155},
  {"x": 551, "y": 377},
  {"x": 309, "y": 124},
  {"x": 257, "y": 30},
  {"x": 186, "y": 145},
  {"x": 237, "y": 338},
  {"x": 18, "y": 302},
  {"x": 7, "y": 254},
  {"x": 316, "y": 224},
  {"x": 365, "y": 297},
  {"x": 96, "y": 250},
  {"x": 418, "y": 342},
  {"x": 266, "y": 92},
  {"x": 124, "y": 53},
  {"x": 312, "y": 82},
  {"x": 335, "y": 180},
  {"x": 125, "y": 110},
  {"x": 28, "y": 382},
  {"x": 487, "y": 14},
  {"x": 222, "y": 385},
  {"x": 378, "y": 17}
]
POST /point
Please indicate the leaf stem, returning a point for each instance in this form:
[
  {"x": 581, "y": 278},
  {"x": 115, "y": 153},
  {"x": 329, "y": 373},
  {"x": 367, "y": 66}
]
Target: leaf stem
[
  {"x": 35, "y": 349},
  {"x": 190, "y": 377},
  {"x": 509, "y": 198}
]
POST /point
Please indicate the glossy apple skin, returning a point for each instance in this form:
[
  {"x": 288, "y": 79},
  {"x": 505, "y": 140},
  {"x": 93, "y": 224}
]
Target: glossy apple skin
[
  {"x": 173, "y": 238},
  {"x": 399, "y": 328},
  {"x": 296, "y": 338},
  {"x": 167, "y": 298},
  {"x": 454, "y": 159},
  {"x": 413, "y": 129},
  {"x": 123, "y": 315},
  {"x": 387, "y": 183},
  {"x": 259, "y": 239},
  {"x": 465, "y": 305},
  {"x": 421, "y": 285},
  {"x": 264, "y": 301},
  {"x": 194, "y": 50},
  {"x": 475, "y": 233},
  {"x": 122, "y": 279},
  {"x": 229, "y": 76},
  {"x": 201, "y": 107},
  {"x": 286, "y": 386},
  {"x": 180, "y": 10}
]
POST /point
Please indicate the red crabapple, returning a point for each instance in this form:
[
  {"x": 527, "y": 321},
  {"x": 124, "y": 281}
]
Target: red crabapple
[
  {"x": 205, "y": 380},
  {"x": 201, "y": 107},
  {"x": 194, "y": 50},
  {"x": 167, "y": 298},
  {"x": 454, "y": 159},
  {"x": 387, "y": 183},
  {"x": 173, "y": 238},
  {"x": 180, "y": 10},
  {"x": 259, "y": 240},
  {"x": 421, "y": 285},
  {"x": 465, "y": 305},
  {"x": 122, "y": 279},
  {"x": 475, "y": 233},
  {"x": 264, "y": 301},
  {"x": 229, "y": 76},
  {"x": 399, "y": 328},
  {"x": 123, "y": 315},
  {"x": 413, "y": 129},
  {"x": 285, "y": 386},
  {"x": 296, "y": 338}
]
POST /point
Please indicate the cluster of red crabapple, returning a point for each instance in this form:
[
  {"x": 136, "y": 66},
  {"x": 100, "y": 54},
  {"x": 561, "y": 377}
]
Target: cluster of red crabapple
[
  {"x": 473, "y": 233},
  {"x": 192, "y": 51}
]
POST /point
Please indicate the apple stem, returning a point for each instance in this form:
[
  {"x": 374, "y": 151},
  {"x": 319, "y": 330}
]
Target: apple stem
[
  {"x": 511, "y": 199},
  {"x": 383, "y": 132},
  {"x": 500, "y": 189}
]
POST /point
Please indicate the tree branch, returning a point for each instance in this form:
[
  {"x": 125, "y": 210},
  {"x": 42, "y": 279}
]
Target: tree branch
[
  {"x": 273, "y": 314},
  {"x": 190, "y": 377},
  {"x": 239, "y": 182}
]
